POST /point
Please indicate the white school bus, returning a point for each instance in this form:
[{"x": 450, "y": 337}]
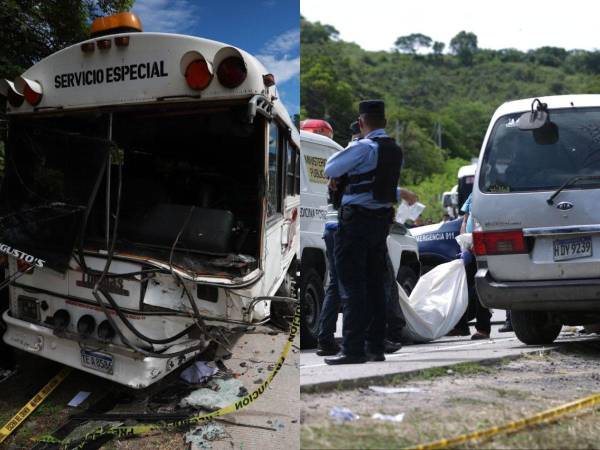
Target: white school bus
[{"x": 150, "y": 198}]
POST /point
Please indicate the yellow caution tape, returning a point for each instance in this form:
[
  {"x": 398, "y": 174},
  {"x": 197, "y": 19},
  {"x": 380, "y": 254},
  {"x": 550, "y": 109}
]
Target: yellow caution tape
[
  {"x": 36, "y": 401},
  {"x": 516, "y": 425},
  {"x": 136, "y": 430}
]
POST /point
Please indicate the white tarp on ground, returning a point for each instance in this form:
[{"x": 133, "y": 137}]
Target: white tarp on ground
[{"x": 436, "y": 304}]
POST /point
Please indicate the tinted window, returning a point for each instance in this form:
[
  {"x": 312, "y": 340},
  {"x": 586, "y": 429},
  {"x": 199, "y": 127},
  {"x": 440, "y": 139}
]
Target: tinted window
[
  {"x": 274, "y": 180},
  {"x": 290, "y": 169},
  {"x": 514, "y": 162}
]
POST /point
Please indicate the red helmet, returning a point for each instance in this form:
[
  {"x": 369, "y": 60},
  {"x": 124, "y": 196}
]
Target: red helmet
[{"x": 317, "y": 126}]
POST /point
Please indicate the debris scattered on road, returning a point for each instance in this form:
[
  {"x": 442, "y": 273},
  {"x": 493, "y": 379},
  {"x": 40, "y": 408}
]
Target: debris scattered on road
[
  {"x": 388, "y": 418},
  {"x": 197, "y": 373},
  {"x": 341, "y": 414},
  {"x": 393, "y": 390},
  {"x": 79, "y": 399},
  {"x": 218, "y": 394},
  {"x": 203, "y": 436}
]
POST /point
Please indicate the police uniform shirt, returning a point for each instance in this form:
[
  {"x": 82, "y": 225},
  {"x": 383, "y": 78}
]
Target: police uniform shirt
[{"x": 359, "y": 157}]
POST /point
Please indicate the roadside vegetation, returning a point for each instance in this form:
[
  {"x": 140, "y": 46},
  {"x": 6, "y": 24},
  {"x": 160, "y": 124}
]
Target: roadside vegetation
[
  {"x": 454, "y": 400},
  {"x": 435, "y": 93}
]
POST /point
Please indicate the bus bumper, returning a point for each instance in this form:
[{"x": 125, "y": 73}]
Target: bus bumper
[{"x": 126, "y": 366}]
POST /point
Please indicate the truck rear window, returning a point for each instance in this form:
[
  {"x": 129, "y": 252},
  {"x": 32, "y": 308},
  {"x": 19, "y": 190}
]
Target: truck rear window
[{"x": 514, "y": 162}]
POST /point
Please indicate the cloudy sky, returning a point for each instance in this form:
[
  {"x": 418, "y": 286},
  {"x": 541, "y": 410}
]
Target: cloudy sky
[
  {"x": 376, "y": 24},
  {"x": 268, "y": 29}
]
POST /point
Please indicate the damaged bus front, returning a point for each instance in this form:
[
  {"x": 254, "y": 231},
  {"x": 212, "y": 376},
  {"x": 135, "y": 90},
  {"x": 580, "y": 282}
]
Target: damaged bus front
[{"x": 149, "y": 200}]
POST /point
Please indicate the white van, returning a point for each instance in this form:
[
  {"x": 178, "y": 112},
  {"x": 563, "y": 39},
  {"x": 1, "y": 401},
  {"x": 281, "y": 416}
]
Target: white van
[
  {"x": 403, "y": 249},
  {"x": 535, "y": 203}
]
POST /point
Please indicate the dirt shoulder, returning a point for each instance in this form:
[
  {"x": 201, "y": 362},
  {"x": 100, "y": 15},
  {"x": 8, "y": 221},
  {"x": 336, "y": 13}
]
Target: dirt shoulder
[{"x": 468, "y": 398}]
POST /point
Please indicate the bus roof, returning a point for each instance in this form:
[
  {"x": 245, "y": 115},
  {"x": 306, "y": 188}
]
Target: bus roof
[{"x": 150, "y": 68}]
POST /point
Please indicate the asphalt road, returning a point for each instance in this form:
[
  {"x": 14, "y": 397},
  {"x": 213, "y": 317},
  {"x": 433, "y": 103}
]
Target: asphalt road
[{"x": 314, "y": 373}]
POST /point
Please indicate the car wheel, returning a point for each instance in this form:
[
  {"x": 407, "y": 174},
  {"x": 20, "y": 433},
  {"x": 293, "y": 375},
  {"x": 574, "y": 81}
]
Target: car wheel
[
  {"x": 407, "y": 278},
  {"x": 311, "y": 300},
  {"x": 535, "y": 327}
]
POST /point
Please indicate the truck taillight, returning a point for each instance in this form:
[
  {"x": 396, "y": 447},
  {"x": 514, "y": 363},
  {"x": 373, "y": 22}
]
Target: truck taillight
[
  {"x": 198, "y": 74},
  {"x": 499, "y": 242},
  {"x": 232, "y": 72}
]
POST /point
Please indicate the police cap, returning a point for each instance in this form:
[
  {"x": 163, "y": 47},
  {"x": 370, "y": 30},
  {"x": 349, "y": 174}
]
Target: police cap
[
  {"x": 373, "y": 107},
  {"x": 354, "y": 128}
]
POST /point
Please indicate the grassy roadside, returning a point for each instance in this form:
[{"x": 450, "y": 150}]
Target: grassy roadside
[
  {"x": 579, "y": 431},
  {"x": 465, "y": 399}
]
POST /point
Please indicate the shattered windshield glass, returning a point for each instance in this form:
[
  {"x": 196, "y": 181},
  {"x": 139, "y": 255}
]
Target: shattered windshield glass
[
  {"x": 514, "y": 162},
  {"x": 51, "y": 177}
]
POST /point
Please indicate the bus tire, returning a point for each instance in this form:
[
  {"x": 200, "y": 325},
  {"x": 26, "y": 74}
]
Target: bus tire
[
  {"x": 535, "y": 327},
  {"x": 311, "y": 301}
]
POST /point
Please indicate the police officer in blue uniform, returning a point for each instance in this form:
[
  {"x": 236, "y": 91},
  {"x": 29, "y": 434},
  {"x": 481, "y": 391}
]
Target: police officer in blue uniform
[
  {"x": 368, "y": 174},
  {"x": 331, "y": 304}
]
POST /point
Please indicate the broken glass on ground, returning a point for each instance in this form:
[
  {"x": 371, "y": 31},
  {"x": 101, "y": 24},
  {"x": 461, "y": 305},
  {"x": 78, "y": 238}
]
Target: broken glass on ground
[{"x": 218, "y": 394}]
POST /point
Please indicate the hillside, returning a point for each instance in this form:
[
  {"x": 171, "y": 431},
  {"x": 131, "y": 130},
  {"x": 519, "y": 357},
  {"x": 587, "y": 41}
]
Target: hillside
[{"x": 428, "y": 91}]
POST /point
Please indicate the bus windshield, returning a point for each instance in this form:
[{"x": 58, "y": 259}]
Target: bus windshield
[{"x": 191, "y": 184}]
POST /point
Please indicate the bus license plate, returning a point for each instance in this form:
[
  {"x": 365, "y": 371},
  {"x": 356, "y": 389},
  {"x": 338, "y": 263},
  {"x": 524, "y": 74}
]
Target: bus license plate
[
  {"x": 574, "y": 248},
  {"x": 97, "y": 361}
]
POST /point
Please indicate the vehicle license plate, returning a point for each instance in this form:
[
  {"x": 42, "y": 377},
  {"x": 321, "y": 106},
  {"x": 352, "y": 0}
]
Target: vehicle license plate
[
  {"x": 97, "y": 361},
  {"x": 574, "y": 248}
]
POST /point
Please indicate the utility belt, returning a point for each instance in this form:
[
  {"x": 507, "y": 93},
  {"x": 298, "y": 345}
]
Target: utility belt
[{"x": 347, "y": 211}]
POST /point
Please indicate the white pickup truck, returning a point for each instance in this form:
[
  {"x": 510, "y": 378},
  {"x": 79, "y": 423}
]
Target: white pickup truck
[{"x": 403, "y": 249}]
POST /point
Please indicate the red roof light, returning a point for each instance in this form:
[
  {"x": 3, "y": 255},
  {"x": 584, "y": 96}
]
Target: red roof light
[
  {"x": 317, "y": 126},
  {"x": 232, "y": 72},
  {"x": 198, "y": 75}
]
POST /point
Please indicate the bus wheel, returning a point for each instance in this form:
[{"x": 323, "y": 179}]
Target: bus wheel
[
  {"x": 311, "y": 300},
  {"x": 535, "y": 327},
  {"x": 282, "y": 314}
]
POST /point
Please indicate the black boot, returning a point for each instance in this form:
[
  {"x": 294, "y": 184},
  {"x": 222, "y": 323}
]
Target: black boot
[{"x": 345, "y": 359}]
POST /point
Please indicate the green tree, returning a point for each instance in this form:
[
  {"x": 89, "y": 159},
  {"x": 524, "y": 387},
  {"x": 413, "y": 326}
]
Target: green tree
[
  {"x": 311, "y": 33},
  {"x": 549, "y": 56},
  {"x": 438, "y": 48},
  {"x": 324, "y": 96},
  {"x": 464, "y": 45},
  {"x": 412, "y": 42}
]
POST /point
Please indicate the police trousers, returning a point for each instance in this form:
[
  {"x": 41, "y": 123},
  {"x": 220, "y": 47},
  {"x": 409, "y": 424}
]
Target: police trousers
[
  {"x": 331, "y": 303},
  {"x": 360, "y": 259}
]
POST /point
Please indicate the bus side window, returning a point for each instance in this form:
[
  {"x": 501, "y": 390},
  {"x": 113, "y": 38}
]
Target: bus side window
[
  {"x": 297, "y": 174},
  {"x": 291, "y": 161},
  {"x": 274, "y": 191}
]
